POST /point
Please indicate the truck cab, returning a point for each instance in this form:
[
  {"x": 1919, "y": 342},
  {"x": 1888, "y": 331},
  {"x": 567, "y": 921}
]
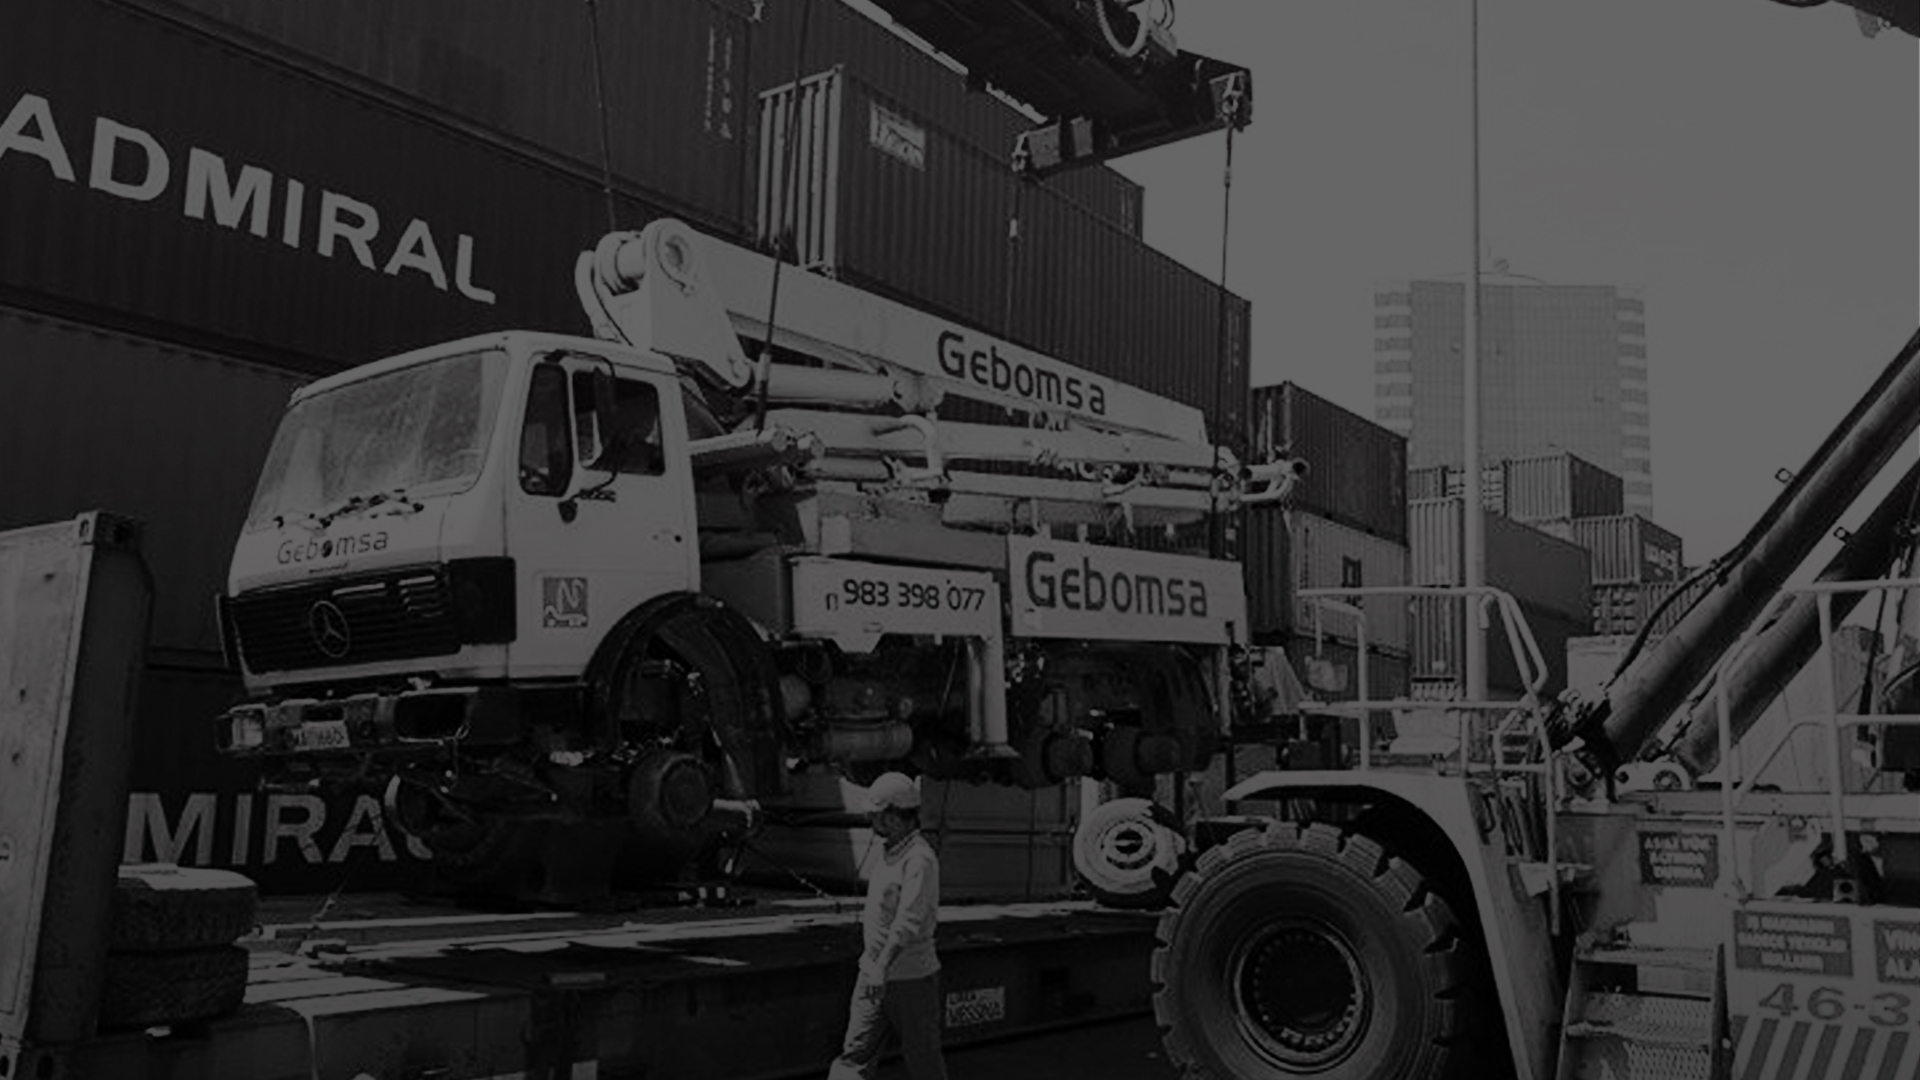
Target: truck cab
[{"x": 480, "y": 512}]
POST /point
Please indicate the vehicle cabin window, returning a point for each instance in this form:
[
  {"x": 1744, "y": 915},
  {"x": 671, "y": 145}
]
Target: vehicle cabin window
[
  {"x": 546, "y": 445},
  {"x": 634, "y": 447}
]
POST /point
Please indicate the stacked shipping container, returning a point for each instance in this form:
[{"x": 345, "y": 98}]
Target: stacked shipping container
[
  {"x": 1546, "y": 576},
  {"x": 1550, "y": 487},
  {"x": 1348, "y": 529},
  {"x": 1357, "y": 470},
  {"x": 310, "y": 186},
  {"x": 1635, "y": 564}
]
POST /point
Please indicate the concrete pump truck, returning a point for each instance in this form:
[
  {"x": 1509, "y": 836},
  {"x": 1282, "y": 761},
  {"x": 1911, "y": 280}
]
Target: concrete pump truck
[{"x": 625, "y": 587}]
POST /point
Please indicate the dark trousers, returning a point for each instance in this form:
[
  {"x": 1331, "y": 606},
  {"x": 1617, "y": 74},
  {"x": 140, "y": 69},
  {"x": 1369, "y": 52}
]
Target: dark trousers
[{"x": 906, "y": 1008}]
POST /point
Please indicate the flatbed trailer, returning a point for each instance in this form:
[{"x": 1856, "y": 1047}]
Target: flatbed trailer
[{"x": 390, "y": 987}]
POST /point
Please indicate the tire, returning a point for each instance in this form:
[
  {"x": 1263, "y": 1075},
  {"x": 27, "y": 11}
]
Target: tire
[
  {"x": 492, "y": 854},
  {"x": 165, "y": 908},
  {"x": 1129, "y": 855},
  {"x": 150, "y": 989},
  {"x": 1299, "y": 951}
]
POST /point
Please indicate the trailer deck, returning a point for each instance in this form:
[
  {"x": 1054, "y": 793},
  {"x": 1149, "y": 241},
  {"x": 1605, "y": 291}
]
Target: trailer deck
[{"x": 385, "y": 988}]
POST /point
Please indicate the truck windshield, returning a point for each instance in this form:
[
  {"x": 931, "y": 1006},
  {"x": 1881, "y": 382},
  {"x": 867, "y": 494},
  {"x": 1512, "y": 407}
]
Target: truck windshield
[{"x": 422, "y": 430}]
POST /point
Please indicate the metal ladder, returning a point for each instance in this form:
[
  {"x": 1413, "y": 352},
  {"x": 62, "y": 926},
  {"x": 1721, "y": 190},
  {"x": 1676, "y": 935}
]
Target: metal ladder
[{"x": 1644, "y": 1014}]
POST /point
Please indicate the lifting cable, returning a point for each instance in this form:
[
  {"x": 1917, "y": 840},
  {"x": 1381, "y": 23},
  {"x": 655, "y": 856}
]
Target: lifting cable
[
  {"x": 600, "y": 99},
  {"x": 785, "y": 225},
  {"x": 1230, "y": 107}
]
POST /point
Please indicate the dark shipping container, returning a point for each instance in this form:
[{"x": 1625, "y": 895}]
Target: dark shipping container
[
  {"x": 188, "y": 805},
  {"x": 675, "y": 105},
  {"x": 883, "y": 199},
  {"x": 256, "y": 210},
  {"x": 1267, "y": 561},
  {"x": 1627, "y": 549},
  {"x": 1559, "y": 486},
  {"x": 1357, "y": 470},
  {"x": 100, "y": 421},
  {"x": 1624, "y": 609},
  {"x": 897, "y": 67},
  {"x": 1438, "y": 647},
  {"x": 1094, "y": 296},
  {"x": 1534, "y": 567}
]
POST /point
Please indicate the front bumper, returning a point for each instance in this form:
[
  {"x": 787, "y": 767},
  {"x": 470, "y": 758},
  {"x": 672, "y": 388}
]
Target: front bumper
[{"x": 357, "y": 723}]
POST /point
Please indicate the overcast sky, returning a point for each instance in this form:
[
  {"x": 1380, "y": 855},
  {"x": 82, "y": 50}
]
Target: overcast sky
[{"x": 1754, "y": 167}]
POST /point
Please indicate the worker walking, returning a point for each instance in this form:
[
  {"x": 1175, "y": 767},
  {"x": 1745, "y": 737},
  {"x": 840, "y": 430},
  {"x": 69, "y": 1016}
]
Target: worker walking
[{"x": 898, "y": 990}]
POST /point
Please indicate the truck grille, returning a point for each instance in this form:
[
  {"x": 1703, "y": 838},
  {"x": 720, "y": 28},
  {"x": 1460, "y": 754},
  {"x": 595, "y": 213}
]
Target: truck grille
[{"x": 397, "y": 615}]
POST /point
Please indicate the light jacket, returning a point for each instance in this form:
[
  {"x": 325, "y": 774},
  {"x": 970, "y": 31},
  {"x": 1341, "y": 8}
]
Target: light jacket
[{"x": 903, "y": 909}]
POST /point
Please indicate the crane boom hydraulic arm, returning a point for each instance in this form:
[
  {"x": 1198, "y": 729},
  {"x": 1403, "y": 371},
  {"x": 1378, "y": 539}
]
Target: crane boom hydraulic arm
[
  {"x": 692, "y": 297},
  {"x": 1640, "y": 703}
]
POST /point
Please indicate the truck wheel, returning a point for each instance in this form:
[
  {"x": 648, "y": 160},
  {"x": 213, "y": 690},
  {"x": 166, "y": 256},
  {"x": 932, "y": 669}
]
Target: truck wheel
[
  {"x": 495, "y": 854},
  {"x": 1298, "y": 951},
  {"x": 1129, "y": 854},
  {"x": 149, "y": 989},
  {"x": 163, "y": 908}
]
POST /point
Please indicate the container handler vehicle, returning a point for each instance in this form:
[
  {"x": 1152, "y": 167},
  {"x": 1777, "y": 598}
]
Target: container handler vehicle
[{"x": 1619, "y": 888}]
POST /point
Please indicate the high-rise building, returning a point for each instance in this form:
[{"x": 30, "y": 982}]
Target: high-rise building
[{"x": 1563, "y": 367}]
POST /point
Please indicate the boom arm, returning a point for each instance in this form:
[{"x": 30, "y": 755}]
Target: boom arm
[
  {"x": 692, "y": 297},
  {"x": 1640, "y": 703}
]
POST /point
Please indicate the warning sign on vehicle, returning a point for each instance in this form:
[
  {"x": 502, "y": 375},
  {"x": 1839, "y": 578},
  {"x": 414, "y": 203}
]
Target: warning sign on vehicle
[
  {"x": 1685, "y": 859},
  {"x": 1801, "y": 944},
  {"x": 1896, "y": 951}
]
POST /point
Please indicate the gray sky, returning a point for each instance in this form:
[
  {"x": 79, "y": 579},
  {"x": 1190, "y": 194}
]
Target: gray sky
[{"x": 1755, "y": 168}]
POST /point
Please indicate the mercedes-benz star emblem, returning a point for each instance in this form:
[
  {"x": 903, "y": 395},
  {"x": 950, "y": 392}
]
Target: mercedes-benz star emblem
[{"x": 328, "y": 625}]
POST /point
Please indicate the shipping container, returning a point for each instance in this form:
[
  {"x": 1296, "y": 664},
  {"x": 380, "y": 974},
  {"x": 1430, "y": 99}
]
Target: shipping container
[
  {"x": 1559, "y": 486},
  {"x": 1447, "y": 482},
  {"x": 674, "y": 101},
  {"x": 94, "y": 420},
  {"x": 884, "y": 199},
  {"x": 1267, "y": 561},
  {"x": 902, "y": 68},
  {"x": 189, "y": 805},
  {"x": 1357, "y": 470},
  {"x": 261, "y": 211},
  {"x": 1626, "y": 549},
  {"x": 1324, "y": 555},
  {"x": 1625, "y": 609},
  {"x": 1534, "y": 567},
  {"x": 1429, "y": 483},
  {"x": 1094, "y": 296},
  {"x": 1316, "y": 553},
  {"x": 1437, "y": 663}
]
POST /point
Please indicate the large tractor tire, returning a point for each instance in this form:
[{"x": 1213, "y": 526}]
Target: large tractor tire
[
  {"x": 150, "y": 989},
  {"x": 1129, "y": 854},
  {"x": 161, "y": 907},
  {"x": 1299, "y": 951}
]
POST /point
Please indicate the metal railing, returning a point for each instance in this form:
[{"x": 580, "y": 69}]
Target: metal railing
[
  {"x": 1537, "y": 759},
  {"x": 1831, "y": 720}
]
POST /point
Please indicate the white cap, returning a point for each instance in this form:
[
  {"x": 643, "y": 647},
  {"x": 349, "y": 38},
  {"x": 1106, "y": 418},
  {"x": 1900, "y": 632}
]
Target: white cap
[{"x": 893, "y": 791}]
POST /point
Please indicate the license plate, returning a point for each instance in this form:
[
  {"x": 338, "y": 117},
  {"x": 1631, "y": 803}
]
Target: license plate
[{"x": 321, "y": 735}]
